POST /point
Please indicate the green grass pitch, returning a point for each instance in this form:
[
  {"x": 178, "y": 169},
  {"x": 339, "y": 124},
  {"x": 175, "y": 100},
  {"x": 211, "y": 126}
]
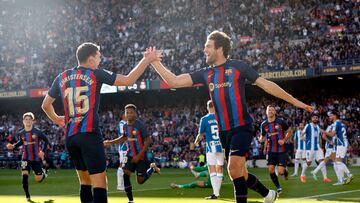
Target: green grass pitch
[{"x": 62, "y": 187}]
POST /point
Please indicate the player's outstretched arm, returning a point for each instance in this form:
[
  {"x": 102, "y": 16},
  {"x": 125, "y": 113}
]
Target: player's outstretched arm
[
  {"x": 48, "y": 108},
  {"x": 277, "y": 91},
  {"x": 119, "y": 140},
  {"x": 150, "y": 55},
  {"x": 183, "y": 80}
]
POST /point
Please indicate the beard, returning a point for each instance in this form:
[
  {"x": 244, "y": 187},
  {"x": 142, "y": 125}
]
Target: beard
[{"x": 210, "y": 60}]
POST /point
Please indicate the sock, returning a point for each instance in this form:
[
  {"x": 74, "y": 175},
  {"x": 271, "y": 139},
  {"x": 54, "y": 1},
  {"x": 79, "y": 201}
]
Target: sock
[
  {"x": 100, "y": 195},
  {"x": 189, "y": 185},
  {"x": 219, "y": 179},
  {"x": 213, "y": 180},
  {"x": 120, "y": 178},
  {"x": 86, "y": 195},
  {"x": 148, "y": 173},
  {"x": 254, "y": 183},
  {"x": 240, "y": 189},
  {"x": 341, "y": 171},
  {"x": 286, "y": 173},
  {"x": 296, "y": 166},
  {"x": 275, "y": 179},
  {"x": 345, "y": 169},
  {"x": 25, "y": 183},
  {"x": 128, "y": 187},
  {"x": 320, "y": 166},
  {"x": 304, "y": 167},
  {"x": 203, "y": 174},
  {"x": 323, "y": 171},
  {"x": 336, "y": 171}
]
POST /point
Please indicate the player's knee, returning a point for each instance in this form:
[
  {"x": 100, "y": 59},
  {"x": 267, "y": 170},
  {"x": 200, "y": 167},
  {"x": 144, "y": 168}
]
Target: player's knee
[
  {"x": 140, "y": 180},
  {"x": 38, "y": 178},
  {"x": 235, "y": 172}
]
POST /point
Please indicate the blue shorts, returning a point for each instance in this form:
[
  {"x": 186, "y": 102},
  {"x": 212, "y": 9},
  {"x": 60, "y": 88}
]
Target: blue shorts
[{"x": 237, "y": 141}]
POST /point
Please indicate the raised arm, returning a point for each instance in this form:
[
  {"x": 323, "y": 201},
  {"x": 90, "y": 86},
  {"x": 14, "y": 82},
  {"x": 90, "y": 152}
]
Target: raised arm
[
  {"x": 275, "y": 90},
  {"x": 183, "y": 80},
  {"x": 149, "y": 56}
]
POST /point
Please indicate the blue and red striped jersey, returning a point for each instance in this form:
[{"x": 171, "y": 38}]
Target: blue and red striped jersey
[
  {"x": 79, "y": 89},
  {"x": 30, "y": 140},
  {"x": 274, "y": 131},
  {"x": 226, "y": 84},
  {"x": 136, "y": 134}
]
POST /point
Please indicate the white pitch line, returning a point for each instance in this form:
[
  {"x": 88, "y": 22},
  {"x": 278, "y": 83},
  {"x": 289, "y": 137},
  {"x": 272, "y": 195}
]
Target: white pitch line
[{"x": 324, "y": 195}]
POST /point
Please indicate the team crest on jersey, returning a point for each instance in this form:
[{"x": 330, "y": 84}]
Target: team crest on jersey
[
  {"x": 211, "y": 86},
  {"x": 33, "y": 136},
  {"x": 276, "y": 127},
  {"x": 134, "y": 132},
  {"x": 228, "y": 72}
]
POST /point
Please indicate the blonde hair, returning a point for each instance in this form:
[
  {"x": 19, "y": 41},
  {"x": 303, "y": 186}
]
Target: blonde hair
[{"x": 29, "y": 114}]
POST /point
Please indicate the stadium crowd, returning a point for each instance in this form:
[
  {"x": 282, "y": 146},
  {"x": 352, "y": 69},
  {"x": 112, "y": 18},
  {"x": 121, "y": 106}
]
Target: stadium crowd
[
  {"x": 38, "y": 40},
  {"x": 174, "y": 128}
]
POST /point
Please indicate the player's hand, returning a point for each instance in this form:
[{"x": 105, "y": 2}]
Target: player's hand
[
  {"x": 41, "y": 154},
  {"x": 10, "y": 146},
  {"x": 323, "y": 131},
  {"x": 303, "y": 138},
  {"x": 308, "y": 108},
  {"x": 196, "y": 144},
  {"x": 152, "y": 54},
  {"x": 281, "y": 142},
  {"x": 107, "y": 143},
  {"x": 332, "y": 143},
  {"x": 135, "y": 159},
  {"x": 60, "y": 121}
]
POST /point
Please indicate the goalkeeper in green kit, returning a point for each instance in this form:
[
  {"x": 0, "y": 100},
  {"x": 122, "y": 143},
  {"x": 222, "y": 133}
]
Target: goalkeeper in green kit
[{"x": 198, "y": 172}]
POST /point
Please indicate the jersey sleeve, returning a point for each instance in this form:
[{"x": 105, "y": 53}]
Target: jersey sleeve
[
  {"x": 143, "y": 130},
  {"x": 202, "y": 127},
  {"x": 105, "y": 76},
  {"x": 248, "y": 72},
  {"x": 18, "y": 141},
  {"x": 306, "y": 129},
  {"x": 55, "y": 88},
  {"x": 198, "y": 77},
  {"x": 262, "y": 130}
]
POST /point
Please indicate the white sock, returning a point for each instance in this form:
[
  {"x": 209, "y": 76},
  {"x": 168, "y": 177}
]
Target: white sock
[
  {"x": 214, "y": 183},
  {"x": 120, "y": 179},
  {"x": 345, "y": 168},
  {"x": 296, "y": 166},
  {"x": 336, "y": 171},
  {"x": 304, "y": 167},
  {"x": 322, "y": 164},
  {"x": 340, "y": 170},
  {"x": 219, "y": 177},
  {"x": 323, "y": 171}
]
